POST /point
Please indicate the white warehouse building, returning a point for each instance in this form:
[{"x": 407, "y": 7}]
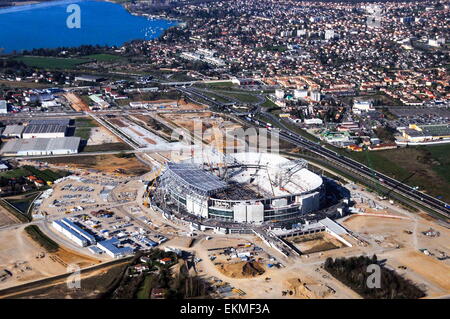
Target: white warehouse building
[
  {"x": 41, "y": 146},
  {"x": 73, "y": 232},
  {"x": 44, "y": 131}
]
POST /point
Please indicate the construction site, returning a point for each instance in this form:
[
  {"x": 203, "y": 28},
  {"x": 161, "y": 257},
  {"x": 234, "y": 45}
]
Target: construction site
[
  {"x": 257, "y": 224},
  {"x": 247, "y": 188}
]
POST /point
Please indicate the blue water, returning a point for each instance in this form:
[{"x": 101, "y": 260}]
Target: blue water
[{"x": 44, "y": 26}]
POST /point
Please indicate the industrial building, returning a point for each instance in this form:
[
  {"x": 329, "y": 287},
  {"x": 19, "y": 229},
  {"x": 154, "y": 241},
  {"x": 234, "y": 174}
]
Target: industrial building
[
  {"x": 362, "y": 106},
  {"x": 112, "y": 248},
  {"x": 13, "y": 131},
  {"x": 44, "y": 131},
  {"x": 241, "y": 187},
  {"x": 423, "y": 134},
  {"x": 89, "y": 78},
  {"x": 74, "y": 232},
  {"x": 41, "y": 146}
]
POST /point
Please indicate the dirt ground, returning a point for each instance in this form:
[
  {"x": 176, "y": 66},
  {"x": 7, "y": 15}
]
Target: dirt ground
[
  {"x": 6, "y": 218},
  {"x": 213, "y": 128},
  {"x": 385, "y": 231},
  {"x": 306, "y": 288},
  {"x": 108, "y": 163},
  {"x": 426, "y": 271},
  {"x": 316, "y": 243},
  {"x": 92, "y": 284},
  {"x": 177, "y": 105},
  {"x": 76, "y": 103},
  {"x": 243, "y": 269},
  {"x": 184, "y": 105},
  {"x": 18, "y": 254},
  {"x": 430, "y": 272},
  {"x": 100, "y": 135}
]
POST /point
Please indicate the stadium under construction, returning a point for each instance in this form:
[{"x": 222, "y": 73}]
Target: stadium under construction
[{"x": 245, "y": 188}]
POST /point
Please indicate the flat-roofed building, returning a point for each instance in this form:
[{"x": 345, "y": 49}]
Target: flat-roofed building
[
  {"x": 113, "y": 248},
  {"x": 13, "y": 131},
  {"x": 41, "y": 146},
  {"x": 44, "y": 131},
  {"x": 89, "y": 78}
]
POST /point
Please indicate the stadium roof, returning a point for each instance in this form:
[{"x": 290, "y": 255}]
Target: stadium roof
[{"x": 197, "y": 178}]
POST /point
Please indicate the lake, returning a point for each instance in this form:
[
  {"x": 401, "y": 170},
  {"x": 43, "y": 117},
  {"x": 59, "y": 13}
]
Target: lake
[{"x": 44, "y": 25}]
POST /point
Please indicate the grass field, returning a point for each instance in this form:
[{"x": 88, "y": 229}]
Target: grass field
[
  {"x": 269, "y": 104},
  {"x": 243, "y": 97},
  {"x": 107, "y": 147},
  {"x": 21, "y": 217},
  {"x": 85, "y": 122},
  {"x": 22, "y": 203},
  {"x": 51, "y": 62},
  {"x": 83, "y": 132},
  {"x": 145, "y": 288},
  {"x": 104, "y": 57},
  {"x": 46, "y": 174},
  {"x": 217, "y": 85},
  {"x": 37, "y": 235},
  {"x": 429, "y": 164}
]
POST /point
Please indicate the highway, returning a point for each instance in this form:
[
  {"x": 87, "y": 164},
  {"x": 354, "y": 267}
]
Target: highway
[
  {"x": 406, "y": 190},
  {"x": 436, "y": 205}
]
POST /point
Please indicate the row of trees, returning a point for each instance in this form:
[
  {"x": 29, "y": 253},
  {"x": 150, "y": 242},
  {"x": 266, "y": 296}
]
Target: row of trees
[
  {"x": 356, "y": 273},
  {"x": 178, "y": 286}
]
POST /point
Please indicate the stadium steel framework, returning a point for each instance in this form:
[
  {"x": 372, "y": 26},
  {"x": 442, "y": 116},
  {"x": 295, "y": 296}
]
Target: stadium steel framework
[{"x": 242, "y": 189}]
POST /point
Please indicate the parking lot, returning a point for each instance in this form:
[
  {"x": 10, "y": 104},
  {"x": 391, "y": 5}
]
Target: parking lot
[{"x": 75, "y": 193}]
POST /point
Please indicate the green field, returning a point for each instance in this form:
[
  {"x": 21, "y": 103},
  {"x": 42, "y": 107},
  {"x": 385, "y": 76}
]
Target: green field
[
  {"x": 51, "y": 62},
  {"x": 269, "y": 104},
  {"x": 242, "y": 97},
  {"x": 216, "y": 85},
  {"x": 83, "y": 132},
  {"x": 83, "y": 127},
  {"x": 107, "y": 147},
  {"x": 430, "y": 165},
  {"x": 104, "y": 57},
  {"x": 85, "y": 122},
  {"x": 23, "y": 203},
  {"x": 46, "y": 174},
  {"x": 146, "y": 288}
]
